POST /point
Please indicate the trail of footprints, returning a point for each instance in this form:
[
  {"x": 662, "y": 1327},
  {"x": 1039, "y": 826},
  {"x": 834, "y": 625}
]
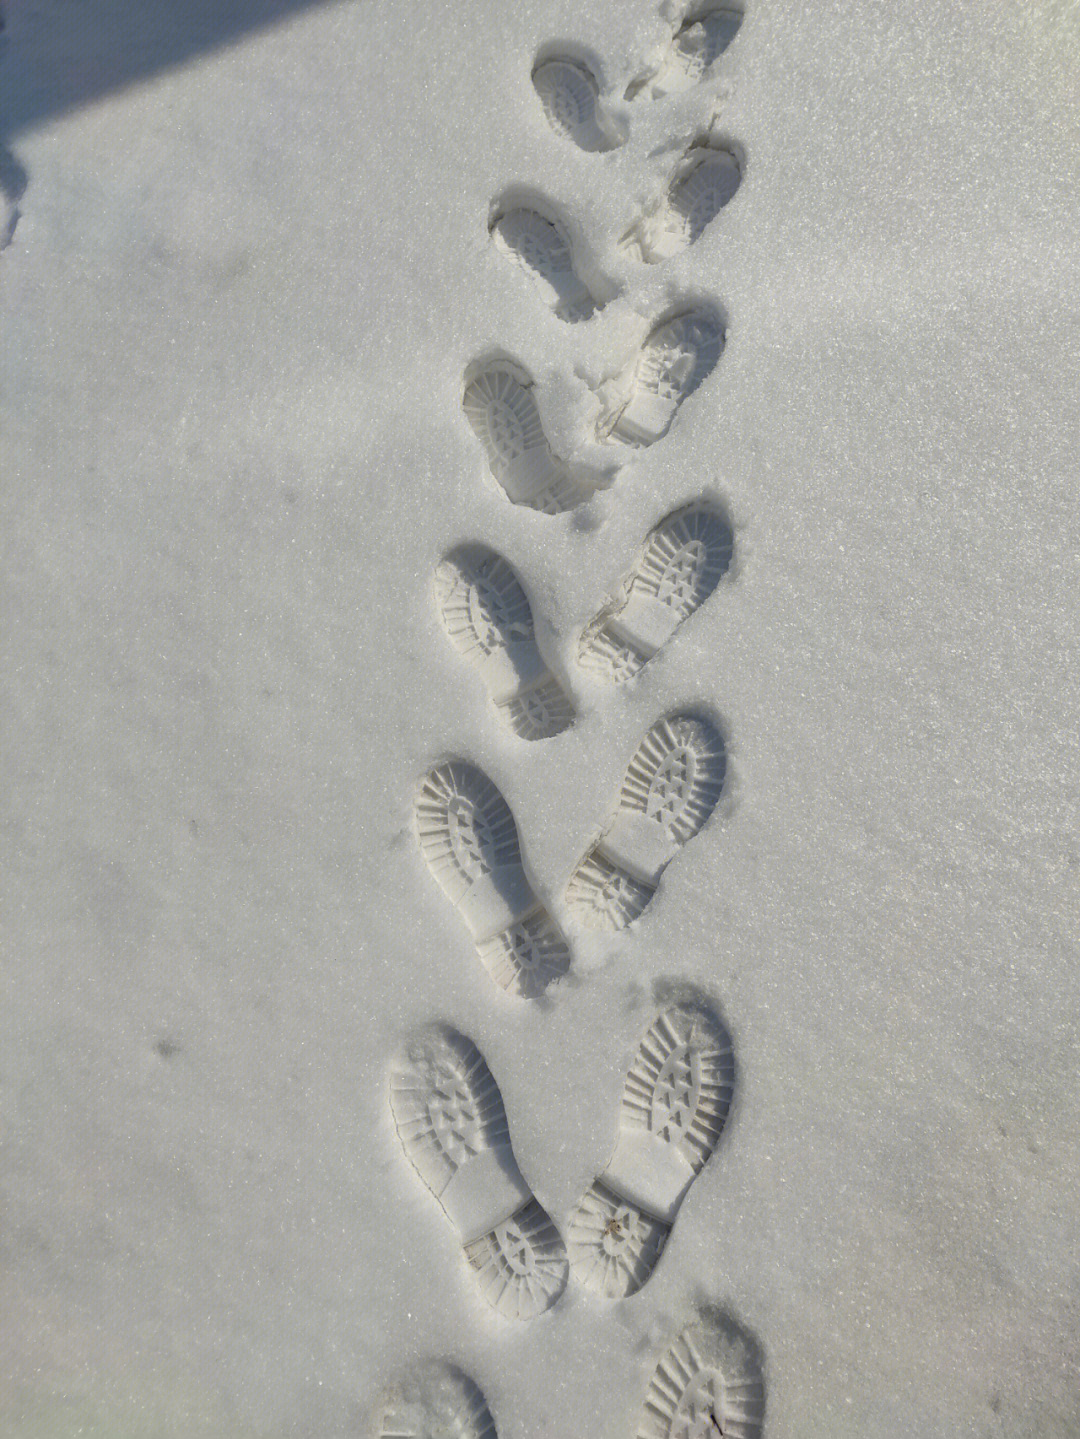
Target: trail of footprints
[
  {"x": 446, "y": 1105},
  {"x": 637, "y": 407}
]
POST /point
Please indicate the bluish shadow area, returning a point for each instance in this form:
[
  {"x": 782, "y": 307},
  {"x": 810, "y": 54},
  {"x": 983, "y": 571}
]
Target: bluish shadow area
[{"x": 56, "y": 55}]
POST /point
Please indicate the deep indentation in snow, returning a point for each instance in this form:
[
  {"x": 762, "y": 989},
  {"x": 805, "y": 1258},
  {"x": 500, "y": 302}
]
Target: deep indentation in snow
[
  {"x": 540, "y": 246},
  {"x": 700, "y": 40},
  {"x": 705, "y": 180},
  {"x": 434, "y": 1400},
  {"x": 447, "y": 1107},
  {"x": 682, "y": 561},
  {"x": 487, "y": 616},
  {"x": 571, "y": 99},
  {"x": 675, "y": 1101},
  {"x": 639, "y": 405},
  {"x": 500, "y": 406},
  {"x": 670, "y": 789}
]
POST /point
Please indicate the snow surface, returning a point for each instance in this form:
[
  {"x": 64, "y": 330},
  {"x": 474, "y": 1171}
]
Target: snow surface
[{"x": 238, "y": 303}]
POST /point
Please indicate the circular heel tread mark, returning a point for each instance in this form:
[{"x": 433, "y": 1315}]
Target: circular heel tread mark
[
  {"x": 521, "y": 1265},
  {"x": 542, "y": 712},
  {"x": 606, "y": 896},
  {"x": 607, "y": 653},
  {"x": 528, "y": 957},
  {"x": 613, "y": 1243}
]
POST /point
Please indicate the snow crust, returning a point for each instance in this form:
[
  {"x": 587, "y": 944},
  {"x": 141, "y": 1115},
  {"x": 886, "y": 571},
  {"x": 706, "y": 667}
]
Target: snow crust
[{"x": 237, "y": 308}]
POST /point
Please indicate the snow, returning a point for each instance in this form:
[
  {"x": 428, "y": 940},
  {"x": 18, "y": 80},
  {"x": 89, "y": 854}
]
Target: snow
[{"x": 243, "y": 289}]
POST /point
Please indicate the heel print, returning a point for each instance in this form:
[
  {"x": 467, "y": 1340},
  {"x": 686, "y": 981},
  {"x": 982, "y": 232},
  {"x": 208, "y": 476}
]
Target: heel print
[
  {"x": 488, "y": 618},
  {"x": 683, "y": 560},
  {"x": 452, "y": 1125},
  {"x": 468, "y": 837},
  {"x": 678, "y": 355},
  {"x": 543, "y": 251},
  {"x": 708, "y": 1384},
  {"x": 670, "y": 789},
  {"x": 674, "y": 1104},
  {"x": 500, "y": 406}
]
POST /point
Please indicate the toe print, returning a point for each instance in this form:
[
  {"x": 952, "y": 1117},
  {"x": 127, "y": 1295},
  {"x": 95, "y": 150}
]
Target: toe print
[
  {"x": 708, "y": 1384},
  {"x": 470, "y": 842},
  {"x": 704, "y": 182},
  {"x": 452, "y": 1125},
  {"x": 500, "y": 406},
  {"x": 489, "y": 620},
  {"x": 541, "y": 248},
  {"x": 683, "y": 560},
  {"x": 675, "y": 1100},
  {"x": 570, "y": 97},
  {"x": 436, "y": 1401},
  {"x": 677, "y": 356},
  {"x": 700, "y": 40},
  {"x": 670, "y": 789}
]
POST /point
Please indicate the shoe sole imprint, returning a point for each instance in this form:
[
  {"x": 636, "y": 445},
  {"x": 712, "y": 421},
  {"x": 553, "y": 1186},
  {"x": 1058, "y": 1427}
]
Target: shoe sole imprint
[
  {"x": 674, "y": 1104},
  {"x": 681, "y": 352},
  {"x": 541, "y": 248},
  {"x": 452, "y": 1125},
  {"x": 682, "y": 561},
  {"x": 707, "y": 1384},
  {"x": 570, "y": 97},
  {"x": 436, "y": 1400},
  {"x": 696, "y": 44},
  {"x": 500, "y": 406},
  {"x": 670, "y": 789},
  {"x": 470, "y": 841},
  {"x": 487, "y": 616},
  {"x": 703, "y": 183}
]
